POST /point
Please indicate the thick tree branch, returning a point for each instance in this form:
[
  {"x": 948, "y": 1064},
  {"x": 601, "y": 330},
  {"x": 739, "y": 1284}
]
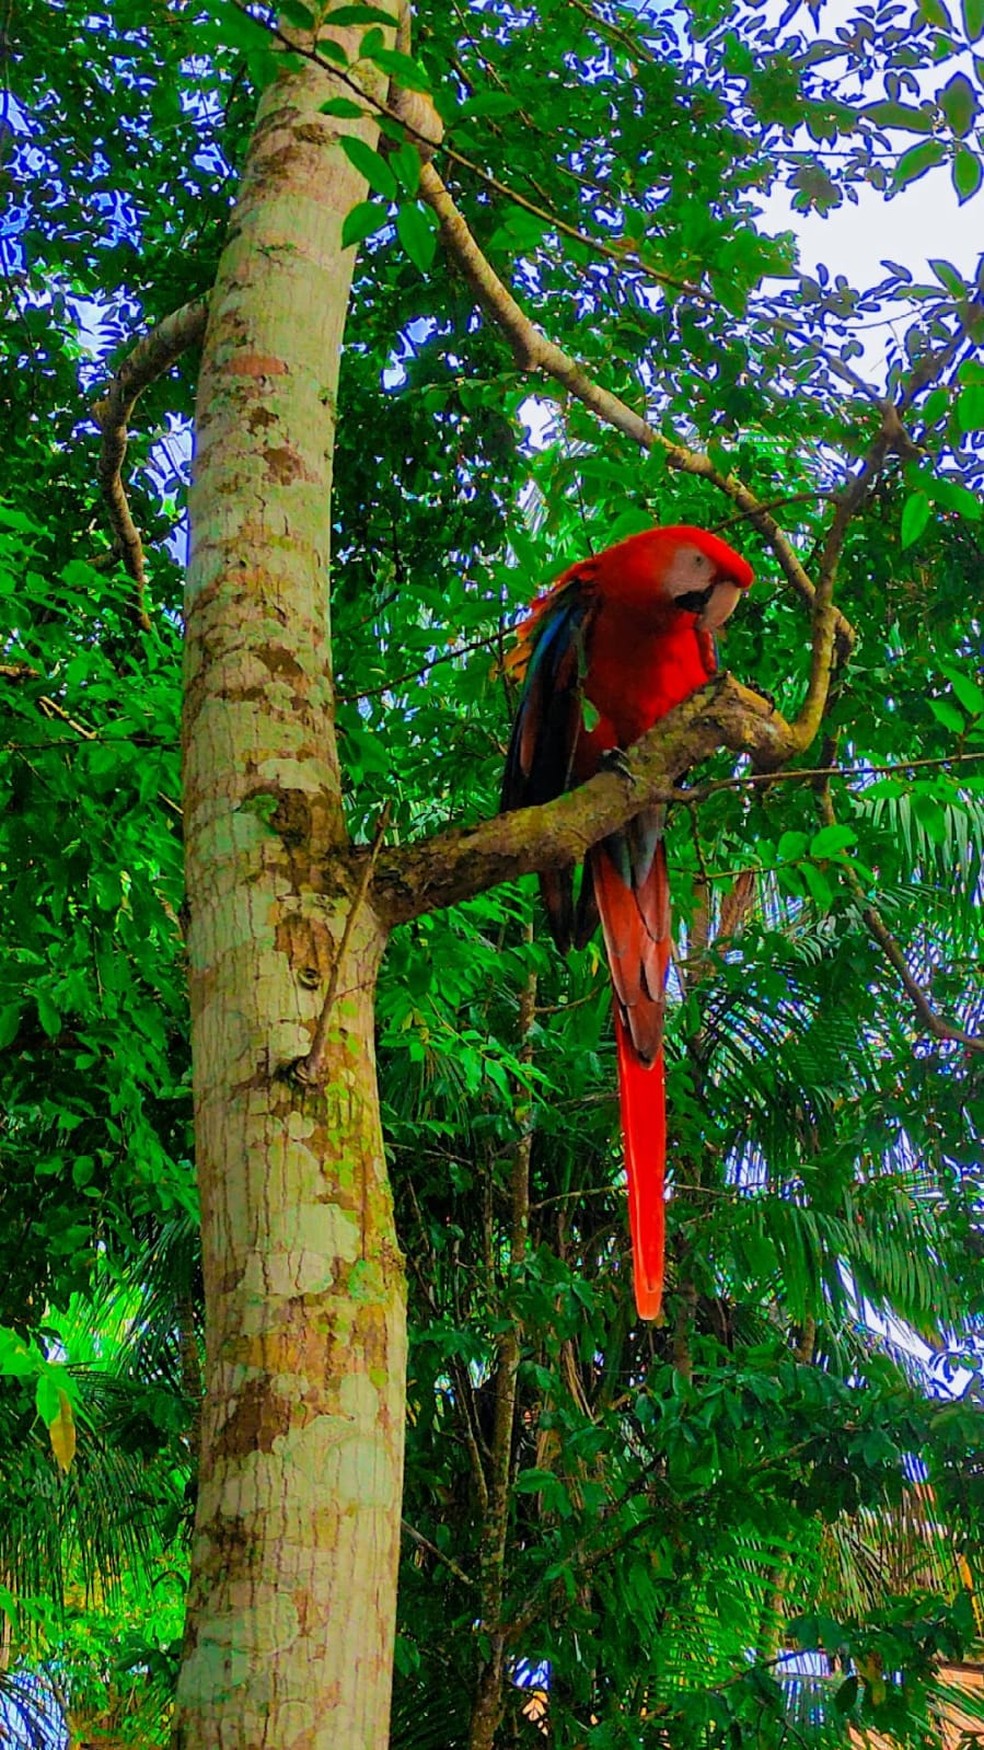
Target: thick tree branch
[
  {"x": 154, "y": 354},
  {"x": 459, "y": 864}
]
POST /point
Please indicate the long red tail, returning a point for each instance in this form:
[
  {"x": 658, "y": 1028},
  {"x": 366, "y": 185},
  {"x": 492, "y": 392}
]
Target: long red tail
[
  {"x": 643, "y": 1106},
  {"x": 632, "y": 892}
]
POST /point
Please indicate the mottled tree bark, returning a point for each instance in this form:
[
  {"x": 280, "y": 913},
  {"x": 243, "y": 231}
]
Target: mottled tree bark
[{"x": 292, "y": 1605}]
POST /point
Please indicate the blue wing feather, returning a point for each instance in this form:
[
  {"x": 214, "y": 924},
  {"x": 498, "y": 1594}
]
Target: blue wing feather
[{"x": 547, "y": 725}]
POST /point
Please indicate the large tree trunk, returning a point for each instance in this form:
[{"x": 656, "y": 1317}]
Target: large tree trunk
[{"x": 292, "y": 1605}]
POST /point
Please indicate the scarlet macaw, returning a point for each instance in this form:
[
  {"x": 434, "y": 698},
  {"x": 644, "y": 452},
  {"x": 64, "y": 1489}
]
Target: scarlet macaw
[{"x": 617, "y": 642}]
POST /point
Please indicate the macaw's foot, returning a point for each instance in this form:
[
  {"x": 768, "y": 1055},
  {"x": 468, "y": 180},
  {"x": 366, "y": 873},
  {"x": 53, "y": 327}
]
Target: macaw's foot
[{"x": 615, "y": 759}]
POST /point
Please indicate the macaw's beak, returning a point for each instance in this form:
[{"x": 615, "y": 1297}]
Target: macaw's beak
[{"x": 724, "y": 600}]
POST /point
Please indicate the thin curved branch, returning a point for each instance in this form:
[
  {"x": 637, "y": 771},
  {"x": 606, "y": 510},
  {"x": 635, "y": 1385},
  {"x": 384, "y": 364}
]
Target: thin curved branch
[
  {"x": 832, "y": 636},
  {"x": 534, "y": 351},
  {"x": 154, "y": 354},
  {"x": 457, "y": 865}
]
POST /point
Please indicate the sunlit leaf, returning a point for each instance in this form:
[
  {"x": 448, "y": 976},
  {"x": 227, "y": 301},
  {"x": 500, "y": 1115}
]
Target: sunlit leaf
[
  {"x": 363, "y": 221},
  {"x": 915, "y": 516},
  {"x": 916, "y": 161},
  {"x": 416, "y": 230}
]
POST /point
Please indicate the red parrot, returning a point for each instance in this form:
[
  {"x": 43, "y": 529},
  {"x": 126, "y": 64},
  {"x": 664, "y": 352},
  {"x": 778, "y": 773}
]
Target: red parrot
[{"x": 617, "y": 642}]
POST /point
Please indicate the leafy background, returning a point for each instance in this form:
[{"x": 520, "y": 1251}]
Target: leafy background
[{"x": 758, "y": 1523}]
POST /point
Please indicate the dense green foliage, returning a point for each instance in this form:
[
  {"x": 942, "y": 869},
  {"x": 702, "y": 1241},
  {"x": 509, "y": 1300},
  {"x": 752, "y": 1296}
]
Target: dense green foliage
[{"x": 792, "y": 1464}]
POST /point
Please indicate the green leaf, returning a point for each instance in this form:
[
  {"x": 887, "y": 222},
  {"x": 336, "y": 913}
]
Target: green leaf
[
  {"x": 345, "y": 15},
  {"x": 916, "y": 161},
  {"x": 935, "y": 406},
  {"x": 362, "y": 222},
  {"x": 970, "y": 408},
  {"x": 530, "y": 1482},
  {"x": 48, "y": 1015},
  {"x": 846, "y": 1695},
  {"x": 817, "y": 885},
  {"x": 967, "y": 173},
  {"x": 900, "y": 115},
  {"x": 934, "y": 12},
  {"x": 792, "y": 846},
  {"x": 46, "y": 1398},
  {"x": 948, "y": 276},
  {"x": 915, "y": 515},
  {"x": 931, "y": 815},
  {"x": 955, "y": 496},
  {"x": 971, "y": 695},
  {"x": 948, "y": 715},
  {"x": 973, "y": 19},
  {"x": 18, "y": 1359},
  {"x": 491, "y": 103},
  {"x": 402, "y": 68},
  {"x": 296, "y": 13},
  {"x": 590, "y": 715},
  {"x": 405, "y": 164},
  {"x": 958, "y": 101},
  {"x": 416, "y": 229},
  {"x": 342, "y": 106},
  {"x": 831, "y": 840},
  {"x": 369, "y": 164},
  {"x": 238, "y": 28},
  {"x": 884, "y": 787},
  {"x": 631, "y": 521}
]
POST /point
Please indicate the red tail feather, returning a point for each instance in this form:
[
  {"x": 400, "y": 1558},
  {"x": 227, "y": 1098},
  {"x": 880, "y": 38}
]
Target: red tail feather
[{"x": 643, "y": 1106}]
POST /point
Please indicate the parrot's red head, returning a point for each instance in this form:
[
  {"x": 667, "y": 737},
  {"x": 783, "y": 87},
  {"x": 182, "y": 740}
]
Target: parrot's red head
[{"x": 697, "y": 571}]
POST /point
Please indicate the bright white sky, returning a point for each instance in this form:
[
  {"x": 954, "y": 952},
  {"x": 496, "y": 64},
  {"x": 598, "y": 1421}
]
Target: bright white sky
[{"x": 923, "y": 221}]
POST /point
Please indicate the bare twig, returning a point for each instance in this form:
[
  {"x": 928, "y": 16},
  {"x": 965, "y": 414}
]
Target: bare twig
[
  {"x": 424, "y": 1543},
  {"x": 310, "y": 1069},
  {"x": 488, "y": 1699},
  {"x": 415, "y": 673},
  {"x": 935, "y": 1024},
  {"x": 464, "y": 1395}
]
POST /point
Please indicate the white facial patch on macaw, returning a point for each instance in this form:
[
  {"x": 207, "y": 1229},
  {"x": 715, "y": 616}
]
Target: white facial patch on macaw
[
  {"x": 691, "y": 575},
  {"x": 688, "y": 570}
]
